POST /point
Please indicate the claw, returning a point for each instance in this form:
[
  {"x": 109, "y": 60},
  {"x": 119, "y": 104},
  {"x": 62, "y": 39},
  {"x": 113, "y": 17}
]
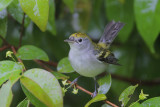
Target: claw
[
  {"x": 74, "y": 82},
  {"x": 94, "y": 94}
]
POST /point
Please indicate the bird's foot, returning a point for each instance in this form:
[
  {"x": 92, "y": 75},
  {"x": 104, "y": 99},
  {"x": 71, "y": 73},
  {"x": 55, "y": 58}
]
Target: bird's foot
[{"x": 94, "y": 94}]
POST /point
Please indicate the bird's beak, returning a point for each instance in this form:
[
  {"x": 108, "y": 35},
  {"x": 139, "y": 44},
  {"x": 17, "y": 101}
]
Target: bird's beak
[{"x": 69, "y": 41}]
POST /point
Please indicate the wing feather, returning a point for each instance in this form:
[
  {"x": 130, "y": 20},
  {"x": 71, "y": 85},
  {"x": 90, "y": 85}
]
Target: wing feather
[
  {"x": 110, "y": 32},
  {"x": 106, "y": 56}
]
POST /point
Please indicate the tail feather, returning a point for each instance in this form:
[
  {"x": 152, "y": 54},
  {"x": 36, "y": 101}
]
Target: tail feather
[{"x": 110, "y": 32}]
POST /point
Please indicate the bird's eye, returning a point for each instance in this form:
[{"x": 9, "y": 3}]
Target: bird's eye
[{"x": 79, "y": 40}]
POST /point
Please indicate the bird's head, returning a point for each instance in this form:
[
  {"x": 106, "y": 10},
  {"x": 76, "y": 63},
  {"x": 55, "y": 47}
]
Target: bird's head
[{"x": 79, "y": 41}]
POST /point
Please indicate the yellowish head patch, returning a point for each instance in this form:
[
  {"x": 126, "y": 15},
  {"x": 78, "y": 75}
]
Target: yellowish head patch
[{"x": 78, "y": 35}]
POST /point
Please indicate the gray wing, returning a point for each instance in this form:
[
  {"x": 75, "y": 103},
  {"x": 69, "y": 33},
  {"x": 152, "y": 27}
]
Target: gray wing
[{"x": 110, "y": 32}]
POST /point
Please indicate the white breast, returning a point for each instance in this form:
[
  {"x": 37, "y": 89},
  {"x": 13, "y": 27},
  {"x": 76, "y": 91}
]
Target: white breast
[{"x": 86, "y": 64}]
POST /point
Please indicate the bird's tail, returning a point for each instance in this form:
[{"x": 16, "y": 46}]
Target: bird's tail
[{"x": 110, "y": 32}]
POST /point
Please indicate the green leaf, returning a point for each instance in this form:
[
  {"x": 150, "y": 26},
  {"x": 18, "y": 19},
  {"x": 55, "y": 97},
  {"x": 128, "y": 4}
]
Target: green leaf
[
  {"x": 37, "y": 10},
  {"x": 17, "y": 13},
  {"x": 51, "y": 26},
  {"x": 135, "y": 104},
  {"x": 24, "y": 103},
  {"x": 3, "y": 23},
  {"x": 99, "y": 97},
  {"x": 14, "y": 77},
  {"x": 35, "y": 93},
  {"x": 126, "y": 94},
  {"x": 121, "y": 11},
  {"x": 4, "y": 4},
  {"x": 44, "y": 93},
  {"x": 7, "y": 69},
  {"x": 60, "y": 75},
  {"x": 29, "y": 52},
  {"x": 6, "y": 94},
  {"x": 104, "y": 84},
  {"x": 64, "y": 66},
  {"x": 147, "y": 20},
  {"x": 70, "y": 4},
  {"x": 152, "y": 102}
]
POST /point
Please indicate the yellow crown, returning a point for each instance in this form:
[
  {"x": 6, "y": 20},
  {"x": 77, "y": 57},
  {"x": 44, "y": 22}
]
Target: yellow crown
[{"x": 77, "y": 35}]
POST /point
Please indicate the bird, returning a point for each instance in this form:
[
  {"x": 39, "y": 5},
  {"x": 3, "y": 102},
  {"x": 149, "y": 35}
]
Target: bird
[{"x": 90, "y": 59}]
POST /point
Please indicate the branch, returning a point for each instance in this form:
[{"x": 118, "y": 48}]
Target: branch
[
  {"x": 42, "y": 65},
  {"x": 19, "y": 60},
  {"x": 4, "y": 47},
  {"x": 22, "y": 30},
  {"x": 88, "y": 92},
  {"x": 4, "y": 41},
  {"x": 54, "y": 64},
  {"x": 135, "y": 81},
  {"x": 77, "y": 86},
  {"x": 122, "y": 78}
]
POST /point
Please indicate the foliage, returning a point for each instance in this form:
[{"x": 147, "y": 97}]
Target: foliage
[
  {"x": 31, "y": 44},
  {"x": 24, "y": 103},
  {"x": 46, "y": 92},
  {"x": 8, "y": 68},
  {"x": 148, "y": 12},
  {"x": 26, "y": 53},
  {"x": 104, "y": 84},
  {"x": 37, "y": 10},
  {"x": 99, "y": 97},
  {"x": 126, "y": 95},
  {"x": 64, "y": 66}
]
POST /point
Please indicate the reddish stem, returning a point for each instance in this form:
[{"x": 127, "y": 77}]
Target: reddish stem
[
  {"x": 19, "y": 60},
  {"x": 4, "y": 47}
]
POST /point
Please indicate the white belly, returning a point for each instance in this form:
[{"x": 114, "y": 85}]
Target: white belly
[{"x": 86, "y": 64}]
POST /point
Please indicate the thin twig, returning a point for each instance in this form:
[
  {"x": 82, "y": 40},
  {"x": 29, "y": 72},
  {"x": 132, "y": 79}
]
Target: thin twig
[
  {"x": 42, "y": 65},
  {"x": 4, "y": 47},
  {"x": 22, "y": 30},
  {"x": 81, "y": 88},
  {"x": 19, "y": 60},
  {"x": 122, "y": 78},
  {"x": 77, "y": 86},
  {"x": 50, "y": 63},
  {"x": 135, "y": 81},
  {"x": 4, "y": 41}
]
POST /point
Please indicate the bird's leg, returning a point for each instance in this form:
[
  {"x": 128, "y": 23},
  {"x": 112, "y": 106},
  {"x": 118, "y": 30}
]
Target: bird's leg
[
  {"x": 95, "y": 91},
  {"x": 74, "y": 81}
]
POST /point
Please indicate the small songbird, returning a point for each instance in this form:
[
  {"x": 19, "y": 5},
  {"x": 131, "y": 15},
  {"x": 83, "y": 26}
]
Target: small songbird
[{"x": 90, "y": 59}]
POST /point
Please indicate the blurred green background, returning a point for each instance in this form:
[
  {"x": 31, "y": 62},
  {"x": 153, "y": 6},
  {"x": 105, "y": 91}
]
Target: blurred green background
[{"x": 137, "y": 46}]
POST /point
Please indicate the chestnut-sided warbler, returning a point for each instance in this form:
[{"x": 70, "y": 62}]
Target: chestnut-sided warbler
[{"x": 88, "y": 58}]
